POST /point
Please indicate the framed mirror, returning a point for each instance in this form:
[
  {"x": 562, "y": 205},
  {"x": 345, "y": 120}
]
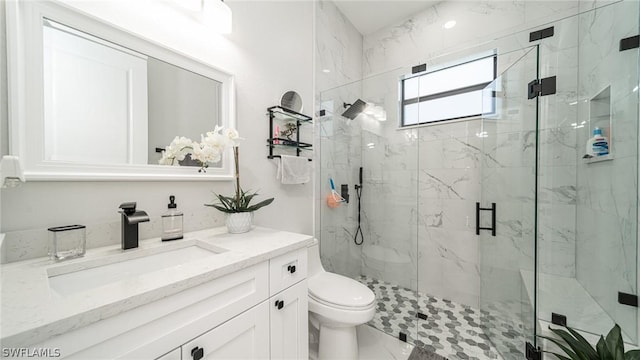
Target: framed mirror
[{"x": 89, "y": 101}]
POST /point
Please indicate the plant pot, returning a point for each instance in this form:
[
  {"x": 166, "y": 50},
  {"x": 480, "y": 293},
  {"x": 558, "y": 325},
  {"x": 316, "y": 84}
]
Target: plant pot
[{"x": 238, "y": 223}]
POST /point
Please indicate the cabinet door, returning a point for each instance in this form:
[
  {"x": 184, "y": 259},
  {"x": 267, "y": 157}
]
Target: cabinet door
[
  {"x": 289, "y": 324},
  {"x": 245, "y": 337}
]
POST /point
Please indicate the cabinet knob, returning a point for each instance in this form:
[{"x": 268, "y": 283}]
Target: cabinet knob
[
  {"x": 291, "y": 268},
  {"x": 279, "y": 304},
  {"x": 197, "y": 353}
]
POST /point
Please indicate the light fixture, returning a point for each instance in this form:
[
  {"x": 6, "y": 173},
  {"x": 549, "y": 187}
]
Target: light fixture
[
  {"x": 217, "y": 14},
  {"x": 326, "y": 71},
  {"x": 11, "y": 174},
  {"x": 449, "y": 24}
]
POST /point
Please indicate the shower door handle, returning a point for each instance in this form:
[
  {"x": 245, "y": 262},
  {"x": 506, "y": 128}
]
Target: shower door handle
[{"x": 493, "y": 219}]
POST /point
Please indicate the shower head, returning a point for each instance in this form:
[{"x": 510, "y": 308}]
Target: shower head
[{"x": 354, "y": 109}]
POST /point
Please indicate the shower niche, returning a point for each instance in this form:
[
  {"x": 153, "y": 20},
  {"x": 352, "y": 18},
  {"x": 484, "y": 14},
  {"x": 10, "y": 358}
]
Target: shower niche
[{"x": 600, "y": 117}]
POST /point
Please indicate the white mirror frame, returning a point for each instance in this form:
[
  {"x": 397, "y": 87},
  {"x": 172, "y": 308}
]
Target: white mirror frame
[{"x": 26, "y": 108}]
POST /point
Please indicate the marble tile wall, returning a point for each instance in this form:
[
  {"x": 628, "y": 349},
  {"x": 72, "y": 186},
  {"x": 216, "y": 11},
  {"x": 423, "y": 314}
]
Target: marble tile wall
[
  {"x": 449, "y": 187},
  {"x": 339, "y": 159},
  {"x": 338, "y": 61},
  {"x": 606, "y": 232},
  {"x": 422, "y": 37},
  {"x": 390, "y": 193}
]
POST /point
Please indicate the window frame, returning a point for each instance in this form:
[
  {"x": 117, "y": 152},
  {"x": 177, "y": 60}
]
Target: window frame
[{"x": 447, "y": 93}]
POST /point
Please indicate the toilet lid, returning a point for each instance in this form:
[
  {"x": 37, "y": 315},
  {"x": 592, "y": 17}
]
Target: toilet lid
[{"x": 340, "y": 290}]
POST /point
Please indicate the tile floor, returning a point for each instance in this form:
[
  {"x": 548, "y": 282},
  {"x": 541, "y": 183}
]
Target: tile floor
[
  {"x": 452, "y": 330},
  {"x": 374, "y": 344}
]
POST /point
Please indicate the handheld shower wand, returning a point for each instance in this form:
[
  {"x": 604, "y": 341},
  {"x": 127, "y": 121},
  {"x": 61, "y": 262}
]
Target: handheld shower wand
[{"x": 359, "y": 194}]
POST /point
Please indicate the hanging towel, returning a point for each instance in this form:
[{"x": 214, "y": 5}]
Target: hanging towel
[{"x": 293, "y": 170}]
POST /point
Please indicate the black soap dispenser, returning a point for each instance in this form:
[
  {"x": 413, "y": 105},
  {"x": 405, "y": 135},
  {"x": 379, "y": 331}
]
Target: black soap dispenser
[{"x": 172, "y": 222}]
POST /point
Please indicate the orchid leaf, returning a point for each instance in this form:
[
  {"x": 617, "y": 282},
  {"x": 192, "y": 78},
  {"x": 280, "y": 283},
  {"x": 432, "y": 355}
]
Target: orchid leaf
[
  {"x": 223, "y": 209},
  {"x": 563, "y": 347},
  {"x": 576, "y": 347},
  {"x": 587, "y": 345},
  {"x": 582, "y": 350},
  {"x": 603, "y": 351},
  {"x": 615, "y": 344},
  {"x": 632, "y": 355},
  {"x": 260, "y": 204},
  {"x": 234, "y": 204}
]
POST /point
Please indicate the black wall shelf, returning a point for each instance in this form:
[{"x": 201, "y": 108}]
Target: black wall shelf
[{"x": 278, "y": 114}]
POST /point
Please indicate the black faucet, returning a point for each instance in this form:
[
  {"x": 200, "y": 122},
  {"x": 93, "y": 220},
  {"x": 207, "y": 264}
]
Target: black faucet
[{"x": 130, "y": 220}]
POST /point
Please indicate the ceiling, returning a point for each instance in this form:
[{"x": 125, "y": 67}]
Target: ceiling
[{"x": 368, "y": 16}]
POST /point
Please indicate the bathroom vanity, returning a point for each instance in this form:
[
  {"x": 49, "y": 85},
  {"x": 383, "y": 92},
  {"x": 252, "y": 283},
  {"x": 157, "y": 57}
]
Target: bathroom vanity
[{"x": 211, "y": 295}]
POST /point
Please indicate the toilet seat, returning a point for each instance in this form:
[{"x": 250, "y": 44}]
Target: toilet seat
[{"x": 340, "y": 292}]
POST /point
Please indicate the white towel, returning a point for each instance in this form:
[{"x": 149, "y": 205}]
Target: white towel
[{"x": 293, "y": 170}]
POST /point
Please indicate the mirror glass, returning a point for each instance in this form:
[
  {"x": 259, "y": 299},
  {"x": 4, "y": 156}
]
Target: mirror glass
[
  {"x": 107, "y": 104},
  {"x": 291, "y": 100}
]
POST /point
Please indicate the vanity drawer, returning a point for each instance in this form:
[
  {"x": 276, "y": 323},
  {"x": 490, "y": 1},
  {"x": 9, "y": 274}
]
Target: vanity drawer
[{"x": 286, "y": 270}]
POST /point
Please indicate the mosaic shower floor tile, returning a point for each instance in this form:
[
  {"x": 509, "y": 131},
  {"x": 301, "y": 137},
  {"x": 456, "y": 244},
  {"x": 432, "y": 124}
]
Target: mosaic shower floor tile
[{"x": 455, "y": 331}]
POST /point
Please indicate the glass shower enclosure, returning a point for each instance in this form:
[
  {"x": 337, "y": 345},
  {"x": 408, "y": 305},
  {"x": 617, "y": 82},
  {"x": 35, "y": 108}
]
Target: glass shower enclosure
[{"x": 565, "y": 244}]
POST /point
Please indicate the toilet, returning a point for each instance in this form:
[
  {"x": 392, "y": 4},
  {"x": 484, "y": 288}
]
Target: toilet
[{"x": 337, "y": 304}]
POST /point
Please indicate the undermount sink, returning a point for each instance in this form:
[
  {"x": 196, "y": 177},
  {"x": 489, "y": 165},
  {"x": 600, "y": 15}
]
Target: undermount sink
[{"x": 76, "y": 277}]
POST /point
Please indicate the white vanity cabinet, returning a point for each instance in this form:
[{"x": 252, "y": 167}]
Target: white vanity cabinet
[
  {"x": 259, "y": 312},
  {"x": 274, "y": 329},
  {"x": 289, "y": 306}
]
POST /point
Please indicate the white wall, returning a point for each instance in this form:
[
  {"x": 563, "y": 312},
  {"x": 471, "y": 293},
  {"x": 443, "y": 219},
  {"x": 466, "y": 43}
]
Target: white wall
[{"x": 269, "y": 51}]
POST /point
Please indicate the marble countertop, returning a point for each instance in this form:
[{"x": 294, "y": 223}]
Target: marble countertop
[{"x": 31, "y": 312}]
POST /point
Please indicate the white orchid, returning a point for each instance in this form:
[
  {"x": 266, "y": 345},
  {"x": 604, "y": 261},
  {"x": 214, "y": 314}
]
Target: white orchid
[
  {"x": 209, "y": 150},
  {"x": 214, "y": 139},
  {"x": 233, "y": 135},
  {"x": 177, "y": 150},
  {"x": 206, "y": 154}
]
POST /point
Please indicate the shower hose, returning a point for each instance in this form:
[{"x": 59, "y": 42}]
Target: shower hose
[{"x": 359, "y": 229}]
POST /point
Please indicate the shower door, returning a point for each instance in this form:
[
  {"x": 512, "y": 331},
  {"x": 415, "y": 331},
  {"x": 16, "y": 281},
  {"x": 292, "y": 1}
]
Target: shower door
[{"x": 506, "y": 212}]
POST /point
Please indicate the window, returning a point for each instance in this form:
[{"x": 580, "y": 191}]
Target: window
[{"x": 447, "y": 94}]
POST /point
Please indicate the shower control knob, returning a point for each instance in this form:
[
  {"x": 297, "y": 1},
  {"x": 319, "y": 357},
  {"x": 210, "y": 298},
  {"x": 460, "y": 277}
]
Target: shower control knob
[{"x": 291, "y": 268}]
